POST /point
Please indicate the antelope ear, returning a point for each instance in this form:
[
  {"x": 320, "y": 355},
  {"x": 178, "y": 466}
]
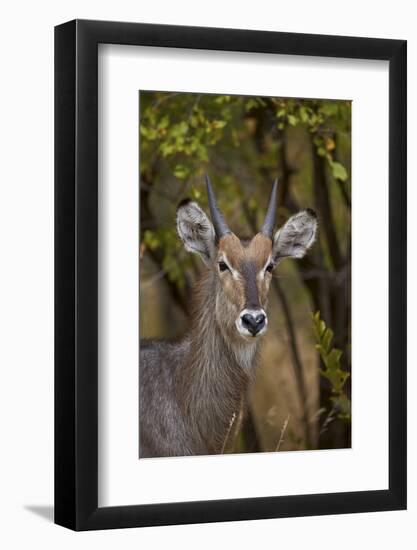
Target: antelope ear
[
  {"x": 196, "y": 230},
  {"x": 296, "y": 236}
]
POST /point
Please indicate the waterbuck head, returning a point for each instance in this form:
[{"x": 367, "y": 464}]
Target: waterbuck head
[{"x": 243, "y": 268}]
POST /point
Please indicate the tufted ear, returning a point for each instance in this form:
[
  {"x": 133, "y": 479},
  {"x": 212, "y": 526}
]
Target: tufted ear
[
  {"x": 296, "y": 236},
  {"x": 196, "y": 230}
]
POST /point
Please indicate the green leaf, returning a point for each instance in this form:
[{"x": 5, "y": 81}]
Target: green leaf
[
  {"x": 166, "y": 149},
  {"x": 218, "y": 124},
  {"x": 151, "y": 239},
  {"x": 316, "y": 316},
  {"x": 222, "y": 99},
  {"x": 321, "y": 327},
  {"x": 327, "y": 339},
  {"x": 338, "y": 170},
  {"x": 293, "y": 120},
  {"x": 343, "y": 405},
  {"x": 181, "y": 172},
  {"x": 148, "y": 133},
  {"x": 251, "y": 104},
  {"x": 329, "y": 108},
  {"x": 303, "y": 114},
  {"x": 164, "y": 122},
  {"x": 144, "y": 131},
  {"x": 333, "y": 359}
]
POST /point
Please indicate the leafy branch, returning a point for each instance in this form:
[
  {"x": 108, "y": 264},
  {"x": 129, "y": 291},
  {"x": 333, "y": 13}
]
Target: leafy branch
[{"x": 331, "y": 368}]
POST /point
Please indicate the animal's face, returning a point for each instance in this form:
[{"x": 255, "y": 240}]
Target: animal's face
[{"x": 243, "y": 268}]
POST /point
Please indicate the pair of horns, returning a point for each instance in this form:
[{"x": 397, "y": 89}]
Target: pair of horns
[{"x": 220, "y": 226}]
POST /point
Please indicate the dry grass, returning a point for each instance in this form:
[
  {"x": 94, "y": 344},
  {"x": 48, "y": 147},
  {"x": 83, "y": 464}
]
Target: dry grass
[{"x": 281, "y": 437}]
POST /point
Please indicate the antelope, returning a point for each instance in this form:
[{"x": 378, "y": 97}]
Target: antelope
[{"x": 193, "y": 388}]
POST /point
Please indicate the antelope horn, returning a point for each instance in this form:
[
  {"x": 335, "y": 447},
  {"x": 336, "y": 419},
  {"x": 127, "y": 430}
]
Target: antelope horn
[
  {"x": 220, "y": 226},
  {"x": 269, "y": 223}
]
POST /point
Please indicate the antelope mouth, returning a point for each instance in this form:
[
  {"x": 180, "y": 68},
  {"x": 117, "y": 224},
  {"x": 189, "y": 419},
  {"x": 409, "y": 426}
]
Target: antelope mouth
[{"x": 252, "y": 323}]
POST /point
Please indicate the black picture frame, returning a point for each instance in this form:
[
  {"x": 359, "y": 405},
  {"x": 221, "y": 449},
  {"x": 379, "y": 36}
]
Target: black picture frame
[{"x": 76, "y": 272}]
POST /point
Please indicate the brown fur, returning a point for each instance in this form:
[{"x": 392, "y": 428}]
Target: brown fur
[{"x": 257, "y": 252}]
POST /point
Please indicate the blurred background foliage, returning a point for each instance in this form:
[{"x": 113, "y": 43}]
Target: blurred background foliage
[{"x": 244, "y": 143}]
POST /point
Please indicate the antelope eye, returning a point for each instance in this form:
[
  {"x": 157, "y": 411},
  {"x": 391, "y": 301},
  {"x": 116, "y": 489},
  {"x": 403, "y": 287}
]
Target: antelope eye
[
  {"x": 223, "y": 266},
  {"x": 269, "y": 267}
]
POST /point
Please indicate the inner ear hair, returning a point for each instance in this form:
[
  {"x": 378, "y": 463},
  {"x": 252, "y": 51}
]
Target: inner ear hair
[
  {"x": 195, "y": 229},
  {"x": 296, "y": 236}
]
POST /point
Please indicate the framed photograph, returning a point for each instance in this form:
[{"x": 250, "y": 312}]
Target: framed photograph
[{"x": 230, "y": 254}]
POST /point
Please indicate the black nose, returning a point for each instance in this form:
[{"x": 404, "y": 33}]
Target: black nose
[{"x": 254, "y": 323}]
